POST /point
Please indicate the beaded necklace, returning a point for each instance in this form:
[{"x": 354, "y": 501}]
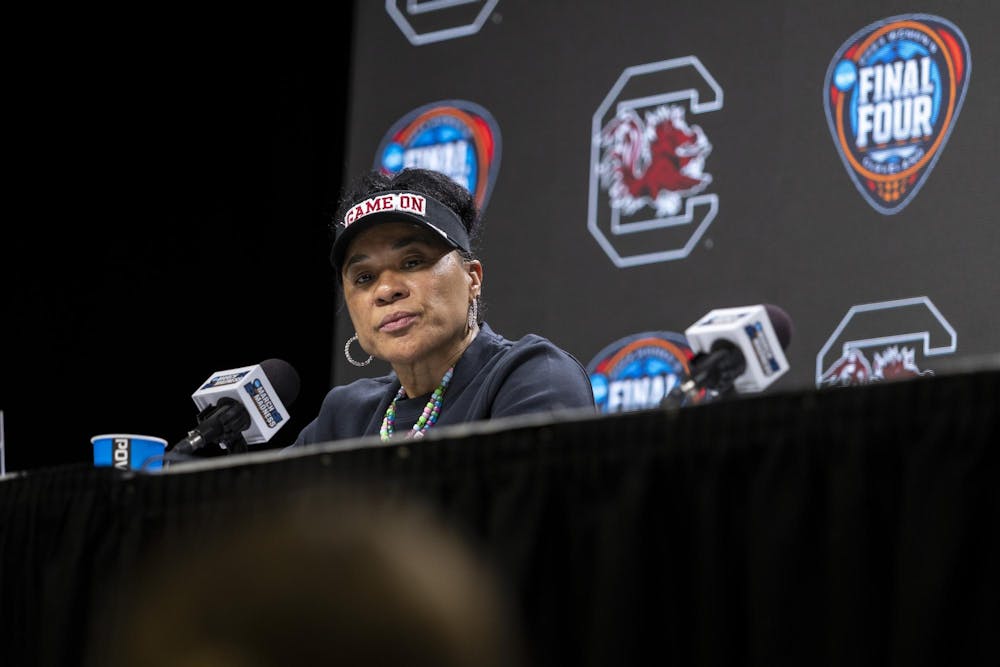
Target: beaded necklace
[{"x": 427, "y": 418}]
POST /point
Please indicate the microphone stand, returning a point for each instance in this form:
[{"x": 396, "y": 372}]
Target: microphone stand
[
  {"x": 222, "y": 424},
  {"x": 237, "y": 445},
  {"x": 712, "y": 377}
]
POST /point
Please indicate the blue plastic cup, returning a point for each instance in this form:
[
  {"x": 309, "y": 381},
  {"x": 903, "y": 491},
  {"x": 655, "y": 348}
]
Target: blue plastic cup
[{"x": 126, "y": 451}]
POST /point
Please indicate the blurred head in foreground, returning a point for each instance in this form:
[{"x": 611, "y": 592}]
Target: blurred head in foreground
[{"x": 354, "y": 586}]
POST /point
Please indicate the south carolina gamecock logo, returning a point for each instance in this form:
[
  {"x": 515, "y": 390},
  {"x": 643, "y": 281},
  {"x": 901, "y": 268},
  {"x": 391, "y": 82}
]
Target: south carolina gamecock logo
[
  {"x": 880, "y": 342},
  {"x": 653, "y": 161},
  {"x": 429, "y": 21},
  {"x": 892, "y": 95},
  {"x": 892, "y": 363},
  {"x": 649, "y": 184}
]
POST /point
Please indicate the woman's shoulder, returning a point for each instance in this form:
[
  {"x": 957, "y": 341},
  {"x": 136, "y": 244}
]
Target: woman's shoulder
[
  {"x": 347, "y": 409},
  {"x": 530, "y": 345},
  {"x": 362, "y": 389},
  {"x": 531, "y": 374},
  {"x": 527, "y": 341}
]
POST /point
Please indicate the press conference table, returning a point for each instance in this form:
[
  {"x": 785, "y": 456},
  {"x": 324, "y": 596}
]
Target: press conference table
[{"x": 849, "y": 526}]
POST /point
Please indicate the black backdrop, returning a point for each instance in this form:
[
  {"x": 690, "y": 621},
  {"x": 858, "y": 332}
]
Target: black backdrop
[
  {"x": 176, "y": 177},
  {"x": 791, "y": 227},
  {"x": 152, "y": 169}
]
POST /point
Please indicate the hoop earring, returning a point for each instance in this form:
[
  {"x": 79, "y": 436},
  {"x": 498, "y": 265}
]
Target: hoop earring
[
  {"x": 473, "y": 318},
  {"x": 347, "y": 353}
]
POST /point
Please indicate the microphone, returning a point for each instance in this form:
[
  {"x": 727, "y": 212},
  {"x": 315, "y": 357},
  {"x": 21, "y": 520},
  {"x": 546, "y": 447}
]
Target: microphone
[
  {"x": 242, "y": 404},
  {"x": 737, "y": 348}
]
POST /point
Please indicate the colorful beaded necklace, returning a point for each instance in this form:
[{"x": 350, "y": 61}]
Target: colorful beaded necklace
[{"x": 427, "y": 418}]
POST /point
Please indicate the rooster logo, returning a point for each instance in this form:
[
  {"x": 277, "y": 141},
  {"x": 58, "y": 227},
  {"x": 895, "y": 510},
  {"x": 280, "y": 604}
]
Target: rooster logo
[
  {"x": 897, "y": 363},
  {"x": 884, "y": 341},
  {"x": 892, "y": 363},
  {"x": 650, "y": 199},
  {"x": 654, "y": 162},
  {"x": 851, "y": 369}
]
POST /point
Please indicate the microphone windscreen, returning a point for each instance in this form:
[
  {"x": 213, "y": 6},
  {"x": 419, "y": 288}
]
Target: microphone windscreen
[
  {"x": 781, "y": 323},
  {"x": 283, "y": 378}
]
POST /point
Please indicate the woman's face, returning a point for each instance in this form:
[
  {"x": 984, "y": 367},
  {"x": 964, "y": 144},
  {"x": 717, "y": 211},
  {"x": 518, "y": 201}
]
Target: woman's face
[{"x": 408, "y": 293}]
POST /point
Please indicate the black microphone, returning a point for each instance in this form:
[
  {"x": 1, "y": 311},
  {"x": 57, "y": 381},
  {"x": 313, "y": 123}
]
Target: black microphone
[
  {"x": 739, "y": 349},
  {"x": 242, "y": 405}
]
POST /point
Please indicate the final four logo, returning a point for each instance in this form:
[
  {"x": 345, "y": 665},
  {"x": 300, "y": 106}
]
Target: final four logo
[
  {"x": 638, "y": 371},
  {"x": 892, "y": 95},
  {"x": 457, "y": 138}
]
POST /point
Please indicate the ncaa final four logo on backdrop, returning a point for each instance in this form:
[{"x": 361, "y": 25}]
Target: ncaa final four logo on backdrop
[
  {"x": 457, "y": 138},
  {"x": 888, "y": 340},
  {"x": 637, "y": 372},
  {"x": 892, "y": 95},
  {"x": 650, "y": 196}
]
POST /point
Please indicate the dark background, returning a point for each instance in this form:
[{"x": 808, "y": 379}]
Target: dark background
[
  {"x": 176, "y": 178},
  {"x": 167, "y": 218},
  {"x": 791, "y": 229},
  {"x": 175, "y": 175}
]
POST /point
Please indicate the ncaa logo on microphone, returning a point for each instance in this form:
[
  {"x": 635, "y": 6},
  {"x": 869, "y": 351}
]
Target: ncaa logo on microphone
[
  {"x": 887, "y": 340},
  {"x": 428, "y": 21},
  {"x": 221, "y": 380},
  {"x": 650, "y": 196},
  {"x": 262, "y": 401},
  {"x": 892, "y": 96},
  {"x": 457, "y": 138},
  {"x": 638, "y": 371}
]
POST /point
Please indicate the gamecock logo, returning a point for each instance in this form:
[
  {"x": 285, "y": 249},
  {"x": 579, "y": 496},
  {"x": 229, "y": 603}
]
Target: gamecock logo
[
  {"x": 892, "y": 363},
  {"x": 871, "y": 352},
  {"x": 428, "y": 21},
  {"x": 648, "y": 180},
  {"x": 653, "y": 162}
]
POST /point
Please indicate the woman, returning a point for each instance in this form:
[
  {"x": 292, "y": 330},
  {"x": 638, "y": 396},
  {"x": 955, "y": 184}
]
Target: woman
[{"x": 413, "y": 288}]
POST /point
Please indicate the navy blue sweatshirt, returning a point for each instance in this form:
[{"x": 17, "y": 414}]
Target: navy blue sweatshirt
[{"x": 494, "y": 377}]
